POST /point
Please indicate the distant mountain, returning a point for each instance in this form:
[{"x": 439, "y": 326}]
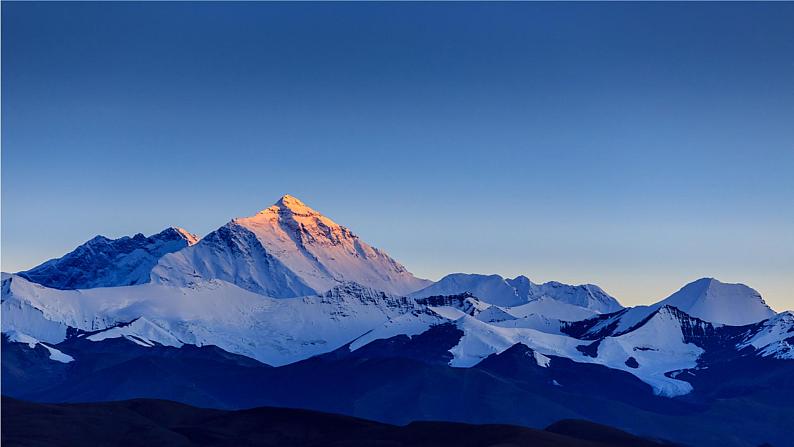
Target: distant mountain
[
  {"x": 718, "y": 302},
  {"x": 491, "y": 288},
  {"x": 103, "y": 262},
  {"x": 520, "y": 290},
  {"x": 708, "y": 299},
  {"x": 286, "y": 250},
  {"x": 143, "y": 422},
  {"x": 656, "y": 349},
  {"x": 282, "y": 331},
  {"x": 771, "y": 338}
]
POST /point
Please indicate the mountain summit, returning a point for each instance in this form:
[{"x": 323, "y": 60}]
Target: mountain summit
[
  {"x": 520, "y": 290},
  {"x": 712, "y": 300},
  {"x": 293, "y": 204},
  {"x": 285, "y": 250},
  {"x": 104, "y": 262}
]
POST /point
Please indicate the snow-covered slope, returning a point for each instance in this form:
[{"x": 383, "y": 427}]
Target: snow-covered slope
[
  {"x": 773, "y": 337},
  {"x": 455, "y": 306},
  {"x": 103, "y": 262},
  {"x": 232, "y": 253},
  {"x": 545, "y": 314},
  {"x": 651, "y": 351},
  {"x": 491, "y": 288},
  {"x": 286, "y": 284},
  {"x": 707, "y": 299},
  {"x": 282, "y": 331},
  {"x": 520, "y": 290},
  {"x": 588, "y": 296},
  {"x": 655, "y": 348},
  {"x": 286, "y": 250},
  {"x": 551, "y": 308},
  {"x": 274, "y": 331},
  {"x": 140, "y": 331},
  {"x": 54, "y": 354},
  {"x": 615, "y": 323},
  {"x": 481, "y": 339},
  {"x": 717, "y": 302}
]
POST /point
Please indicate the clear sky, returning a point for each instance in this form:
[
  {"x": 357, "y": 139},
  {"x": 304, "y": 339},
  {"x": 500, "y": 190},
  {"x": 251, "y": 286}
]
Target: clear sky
[{"x": 636, "y": 146}]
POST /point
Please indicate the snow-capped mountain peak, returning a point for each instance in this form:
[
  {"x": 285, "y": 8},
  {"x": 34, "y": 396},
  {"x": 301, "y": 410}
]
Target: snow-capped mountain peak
[
  {"x": 491, "y": 288},
  {"x": 105, "y": 262},
  {"x": 285, "y": 206},
  {"x": 286, "y": 250},
  {"x": 589, "y": 296},
  {"x": 520, "y": 290},
  {"x": 296, "y": 219},
  {"x": 718, "y": 302},
  {"x": 660, "y": 344},
  {"x": 293, "y": 204},
  {"x": 773, "y": 337},
  {"x": 706, "y": 299}
]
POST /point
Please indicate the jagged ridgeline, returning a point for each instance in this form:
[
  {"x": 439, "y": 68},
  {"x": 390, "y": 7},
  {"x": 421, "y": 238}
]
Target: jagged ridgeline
[{"x": 288, "y": 308}]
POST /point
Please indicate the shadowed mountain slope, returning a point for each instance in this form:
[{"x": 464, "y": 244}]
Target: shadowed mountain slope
[{"x": 143, "y": 422}]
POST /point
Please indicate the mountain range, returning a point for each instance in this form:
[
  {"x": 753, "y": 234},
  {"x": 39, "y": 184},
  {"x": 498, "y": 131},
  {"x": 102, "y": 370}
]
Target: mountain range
[{"x": 288, "y": 308}]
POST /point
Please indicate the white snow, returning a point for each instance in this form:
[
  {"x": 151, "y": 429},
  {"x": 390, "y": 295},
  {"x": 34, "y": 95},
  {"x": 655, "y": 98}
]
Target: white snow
[
  {"x": 448, "y": 312},
  {"x": 284, "y": 285},
  {"x": 626, "y": 320},
  {"x": 717, "y": 302},
  {"x": 140, "y": 331},
  {"x": 771, "y": 339},
  {"x": 494, "y": 314},
  {"x": 56, "y": 355},
  {"x": 657, "y": 346},
  {"x": 19, "y": 337},
  {"x": 518, "y": 291},
  {"x": 532, "y": 321},
  {"x": 490, "y": 288},
  {"x": 20, "y": 314},
  {"x": 482, "y": 339},
  {"x": 286, "y": 250},
  {"x": 707, "y": 299},
  {"x": 551, "y": 308},
  {"x": 588, "y": 296},
  {"x": 454, "y": 307},
  {"x": 103, "y": 262},
  {"x": 406, "y": 324},
  {"x": 282, "y": 331},
  {"x": 542, "y": 360},
  {"x": 274, "y": 331}
]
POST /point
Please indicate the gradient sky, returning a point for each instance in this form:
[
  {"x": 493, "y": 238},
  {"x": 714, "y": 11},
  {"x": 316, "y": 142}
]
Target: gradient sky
[{"x": 636, "y": 146}]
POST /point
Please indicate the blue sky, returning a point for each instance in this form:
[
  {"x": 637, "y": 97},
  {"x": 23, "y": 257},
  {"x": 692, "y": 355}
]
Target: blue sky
[{"x": 637, "y": 146}]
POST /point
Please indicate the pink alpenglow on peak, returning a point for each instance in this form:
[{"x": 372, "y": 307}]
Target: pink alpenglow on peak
[
  {"x": 286, "y": 250},
  {"x": 295, "y": 214},
  {"x": 293, "y": 204},
  {"x": 189, "y": 237}
]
